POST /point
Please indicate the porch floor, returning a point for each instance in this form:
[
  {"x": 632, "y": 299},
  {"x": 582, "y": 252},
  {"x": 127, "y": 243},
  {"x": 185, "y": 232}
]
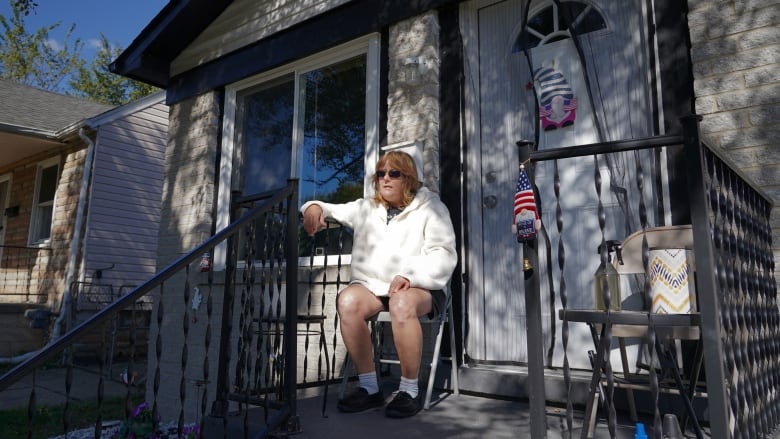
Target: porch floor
[{"x": 463, "y": 416}]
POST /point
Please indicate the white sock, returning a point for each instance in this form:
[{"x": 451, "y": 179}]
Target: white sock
[
  {"x": 409, "y": 386},
  {"x": 368, "y": 381}
]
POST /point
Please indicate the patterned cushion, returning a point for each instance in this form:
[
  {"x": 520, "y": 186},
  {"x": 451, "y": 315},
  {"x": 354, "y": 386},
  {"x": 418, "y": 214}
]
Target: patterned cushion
[{"x": 668, "y": 271}]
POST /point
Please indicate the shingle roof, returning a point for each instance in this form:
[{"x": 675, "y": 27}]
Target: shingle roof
[{"x": 42, "y": 110}]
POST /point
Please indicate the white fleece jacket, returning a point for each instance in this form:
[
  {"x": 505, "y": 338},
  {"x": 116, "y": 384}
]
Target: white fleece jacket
[{"x": 418, "y": 243}]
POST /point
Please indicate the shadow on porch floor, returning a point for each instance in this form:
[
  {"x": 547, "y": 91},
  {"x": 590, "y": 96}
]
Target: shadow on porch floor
[{"x": 465, "y": 416}]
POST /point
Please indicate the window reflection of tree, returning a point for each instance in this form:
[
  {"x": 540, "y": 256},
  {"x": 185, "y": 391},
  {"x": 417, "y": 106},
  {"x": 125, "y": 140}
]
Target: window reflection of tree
[
  {"x": 334, "y": 129},
  {"x": 334, "y": 146}
]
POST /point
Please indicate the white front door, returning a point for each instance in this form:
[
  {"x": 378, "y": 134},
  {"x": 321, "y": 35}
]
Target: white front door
[{"x": 501, "y": 111}]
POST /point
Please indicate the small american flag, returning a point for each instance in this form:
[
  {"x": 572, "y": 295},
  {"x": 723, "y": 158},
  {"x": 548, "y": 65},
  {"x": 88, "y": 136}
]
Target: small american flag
[{"x": 526, "y": 215}]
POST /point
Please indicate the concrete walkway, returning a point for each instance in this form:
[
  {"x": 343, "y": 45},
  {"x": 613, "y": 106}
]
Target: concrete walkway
[{"x": 50, "y": 387}]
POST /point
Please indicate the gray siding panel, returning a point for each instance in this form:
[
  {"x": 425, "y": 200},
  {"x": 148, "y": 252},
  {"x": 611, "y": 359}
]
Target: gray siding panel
[
  {"x": 115, "y": 191},
  {"x": 128, "y": 172},
  {"x": 125, "y": 200},
  {"x": 245, "y": 22},
  {"x": 105, "y": 234},
  {"x": 118, "y": 220}
]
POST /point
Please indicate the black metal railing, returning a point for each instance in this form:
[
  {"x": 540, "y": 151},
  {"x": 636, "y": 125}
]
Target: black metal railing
[
  {"x": 25, "y": 274},
  {"x": 735, "y": 273},
  {"x": 275, "y": 341},
  {"x": 734, "y": 277},
  {"x": 174, "y": 370}
]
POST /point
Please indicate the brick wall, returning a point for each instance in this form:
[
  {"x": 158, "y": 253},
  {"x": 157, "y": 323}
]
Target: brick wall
[
  {"x": 22, "y": 187},
  {"x": 735, "y": 48},
  {"x": 45, "y": 270}
]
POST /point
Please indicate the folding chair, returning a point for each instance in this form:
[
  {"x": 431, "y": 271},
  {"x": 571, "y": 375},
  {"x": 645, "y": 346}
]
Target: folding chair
[{"x": 437, "y": 323}]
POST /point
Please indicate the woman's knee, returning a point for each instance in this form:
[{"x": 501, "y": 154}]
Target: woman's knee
[
  {"x": 346, "y": 302},
  {"x": 356, "y": 301},
  {"x": 405, "y": 306}
]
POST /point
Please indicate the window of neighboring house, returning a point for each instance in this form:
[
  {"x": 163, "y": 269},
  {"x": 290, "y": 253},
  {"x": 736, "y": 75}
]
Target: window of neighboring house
[
  {"x": 315, "y": 120},
  {"x": 43, "y": 203}
]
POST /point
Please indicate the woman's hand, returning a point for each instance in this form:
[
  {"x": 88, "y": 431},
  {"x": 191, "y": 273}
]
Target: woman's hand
[
  {"x": 313, "y": 219},
  {"x": 399, "y": 283}
]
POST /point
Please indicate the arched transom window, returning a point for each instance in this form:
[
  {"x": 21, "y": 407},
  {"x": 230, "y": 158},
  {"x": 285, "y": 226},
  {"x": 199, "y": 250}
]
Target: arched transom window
[{"x": 554, "y": 23}]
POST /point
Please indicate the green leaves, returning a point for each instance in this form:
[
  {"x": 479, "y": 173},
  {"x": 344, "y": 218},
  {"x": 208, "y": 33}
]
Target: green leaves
[
  {"x": 96, "y": 82},
  {"x": 34, "y": 59},
  {"x": 37, "y": 60}
]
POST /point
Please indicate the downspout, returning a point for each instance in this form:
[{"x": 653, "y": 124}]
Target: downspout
[
  {"x": 74, "y": 250},
  {"x": 65, "y": 304}
]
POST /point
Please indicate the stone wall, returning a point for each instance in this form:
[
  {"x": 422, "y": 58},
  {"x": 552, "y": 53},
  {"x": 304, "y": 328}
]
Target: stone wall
[
  {"x": 186, "y": 218},
  {"x": 735, "y": 48},
  {"x": 413, "y": 96},
  {"x": 188, "y": 190}
]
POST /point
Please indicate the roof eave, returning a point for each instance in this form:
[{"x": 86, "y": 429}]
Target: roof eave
[
  {"x": 149, "y": 56},
  {"x": 30, "y": 132}
]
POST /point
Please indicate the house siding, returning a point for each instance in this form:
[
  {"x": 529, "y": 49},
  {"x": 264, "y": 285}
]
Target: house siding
[
  {"x": 735, "y": 49},
  {"x": 245, "y": 22},
  {"x": 124, "y": 210}
]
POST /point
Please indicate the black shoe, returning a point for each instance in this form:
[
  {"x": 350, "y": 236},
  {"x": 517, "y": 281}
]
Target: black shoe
[
  {"x": 403, "y": 406},
  {"x": 360, "y": 400}
]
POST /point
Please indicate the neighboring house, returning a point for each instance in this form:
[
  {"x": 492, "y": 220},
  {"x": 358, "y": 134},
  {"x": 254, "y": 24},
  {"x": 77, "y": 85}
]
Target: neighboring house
[
  {"x": 450, "y": 81},
  {"x": 80, "y": 186}
]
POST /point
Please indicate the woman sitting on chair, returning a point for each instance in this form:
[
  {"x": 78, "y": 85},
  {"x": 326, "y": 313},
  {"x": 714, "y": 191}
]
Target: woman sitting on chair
[{"x": 403, "y": 254}]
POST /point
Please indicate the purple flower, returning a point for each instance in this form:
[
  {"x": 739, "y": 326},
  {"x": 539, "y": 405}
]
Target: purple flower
[{"x": 139, "y": 409}]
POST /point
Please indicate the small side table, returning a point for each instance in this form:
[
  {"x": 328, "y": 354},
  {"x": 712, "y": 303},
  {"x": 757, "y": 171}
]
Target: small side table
[{"x": 624, "y": 324}]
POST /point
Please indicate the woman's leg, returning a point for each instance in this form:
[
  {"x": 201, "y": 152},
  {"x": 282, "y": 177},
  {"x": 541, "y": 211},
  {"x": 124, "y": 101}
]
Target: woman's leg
[
  {"x": 355, "y": 304},
  {"x": 406, "y": 307}
]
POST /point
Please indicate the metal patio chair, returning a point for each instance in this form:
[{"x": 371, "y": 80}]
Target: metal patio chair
[{"x": 437, "y": 323}]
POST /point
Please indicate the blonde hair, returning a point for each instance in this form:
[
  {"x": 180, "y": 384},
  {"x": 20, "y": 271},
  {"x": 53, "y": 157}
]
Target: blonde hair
[{"x": 405, "y": 163}]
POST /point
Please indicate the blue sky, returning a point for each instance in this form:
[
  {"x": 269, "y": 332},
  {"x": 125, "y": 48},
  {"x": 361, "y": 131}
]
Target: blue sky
[{"x": 119, "y": 20}]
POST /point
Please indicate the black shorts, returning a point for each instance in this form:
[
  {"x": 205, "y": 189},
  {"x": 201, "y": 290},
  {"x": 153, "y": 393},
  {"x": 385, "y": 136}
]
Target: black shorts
[{"x": 438, "y": 299}]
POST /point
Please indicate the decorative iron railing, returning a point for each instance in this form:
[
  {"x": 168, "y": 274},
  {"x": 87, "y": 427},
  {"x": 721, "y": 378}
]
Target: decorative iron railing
[
  {"x": 262, "y": 248},
  {"x": 737, "y": 313},
  {"x": 25, "y": 274},
  {"x": 740, "y": 320}
]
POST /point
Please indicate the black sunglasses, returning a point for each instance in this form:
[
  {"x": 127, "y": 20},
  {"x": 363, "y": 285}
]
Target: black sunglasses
[{"x": 393, "y": 173}]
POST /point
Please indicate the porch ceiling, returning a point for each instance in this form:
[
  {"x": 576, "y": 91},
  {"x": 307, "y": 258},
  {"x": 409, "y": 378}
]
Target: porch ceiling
[{"x": 15, "y": 147}]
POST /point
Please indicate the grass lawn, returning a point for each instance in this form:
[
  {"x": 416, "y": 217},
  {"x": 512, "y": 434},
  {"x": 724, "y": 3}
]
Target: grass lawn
[{"x": 47, "y": 421}]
